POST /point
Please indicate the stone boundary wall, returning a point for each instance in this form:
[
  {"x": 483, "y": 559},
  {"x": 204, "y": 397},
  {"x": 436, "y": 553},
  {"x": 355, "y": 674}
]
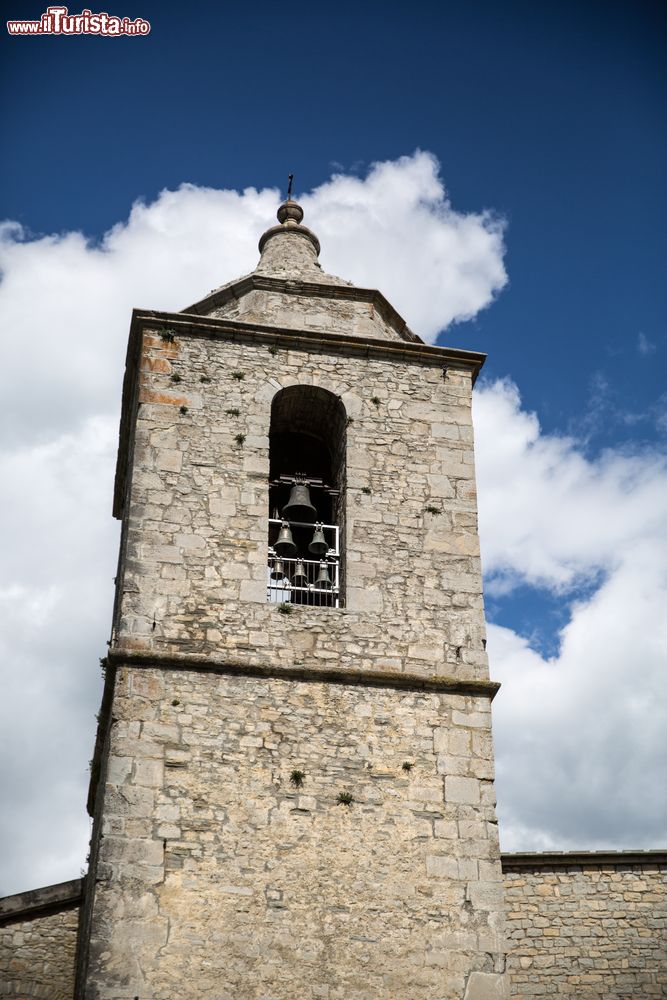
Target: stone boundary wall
[
  {"x": 38, "y": 932},
  {"x": 590, "y": 925}
]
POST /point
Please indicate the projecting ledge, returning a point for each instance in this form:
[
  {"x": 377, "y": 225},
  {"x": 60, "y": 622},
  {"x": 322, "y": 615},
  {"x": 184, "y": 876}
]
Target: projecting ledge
[
  {"x": 366, "y": 678},
  {"x": 526, "y": 861},
  {"x": 39, "y": 902}
]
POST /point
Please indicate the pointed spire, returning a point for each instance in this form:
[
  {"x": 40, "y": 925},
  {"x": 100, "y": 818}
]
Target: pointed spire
[{"x": 289, "y": 248}]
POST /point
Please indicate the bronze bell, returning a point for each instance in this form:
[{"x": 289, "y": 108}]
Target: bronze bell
[
  {"x": 323, "y": 580},
  {"x": 299, "y": 507},
  {"x": 277, "y": 570},
  {"x": 300, "y": 578},
  {"x": 318, "y": 546},
  {"x": 284, "y": 546}
]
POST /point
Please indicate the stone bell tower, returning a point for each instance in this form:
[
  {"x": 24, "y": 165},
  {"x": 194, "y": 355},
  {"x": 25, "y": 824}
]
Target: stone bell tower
[{"x": 293, "y": 780}]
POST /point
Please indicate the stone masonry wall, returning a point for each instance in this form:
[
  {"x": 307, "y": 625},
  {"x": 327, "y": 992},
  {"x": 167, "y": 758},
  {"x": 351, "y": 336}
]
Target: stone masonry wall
[
  {"x": 195, "y": 574},
  {"x": 37, "y": 956},
  {"x": 610, "y": 941},
  {"x": 590, "y": 932},
  {"x": 222, "y": 878}
]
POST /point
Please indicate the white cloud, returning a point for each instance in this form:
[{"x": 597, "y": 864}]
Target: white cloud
[
  {"x": 580, "y": 740},
  {"x": 396, "y": 230},
  {"x": 644, "y": 345},
  {"x": 59, "y": 547},
  {"x": 549, "y": 515}
]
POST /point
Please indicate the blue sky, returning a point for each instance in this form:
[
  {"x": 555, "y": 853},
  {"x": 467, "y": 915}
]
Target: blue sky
[
  {"x": 550, "y": 117},
  {"x": 551, "y": 114}
]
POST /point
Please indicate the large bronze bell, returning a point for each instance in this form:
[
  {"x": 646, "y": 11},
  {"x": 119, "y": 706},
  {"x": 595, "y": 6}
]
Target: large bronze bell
[
  {"x": 277, "y": 570},
  {"x": 299, "y": 507},
  {"x": 300, "y": 579},
  {"x": 323, "y": 580},
  {"x": 318, "y": 546},
  {"x": 284, "y": 545}
]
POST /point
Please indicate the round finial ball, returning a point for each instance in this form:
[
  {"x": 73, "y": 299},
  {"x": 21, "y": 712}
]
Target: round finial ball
[{"x": 290, "y": 210}]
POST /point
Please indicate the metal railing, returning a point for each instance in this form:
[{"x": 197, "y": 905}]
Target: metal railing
[{"x": 303, "y": 578}]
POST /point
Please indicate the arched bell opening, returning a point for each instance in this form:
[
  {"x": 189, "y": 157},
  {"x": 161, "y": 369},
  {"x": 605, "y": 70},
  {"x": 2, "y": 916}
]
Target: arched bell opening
[{"x": 306, "y": 497}]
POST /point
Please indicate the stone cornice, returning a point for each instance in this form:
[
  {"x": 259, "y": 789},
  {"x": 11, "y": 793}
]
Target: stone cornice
[
  {"x": 232, "y": 330},
  {"x": 410, "y": 352},
  {"x": 40, "y": 902},
  {"x": 314, "y": 675},
  {"x": 580, "y": 859}
]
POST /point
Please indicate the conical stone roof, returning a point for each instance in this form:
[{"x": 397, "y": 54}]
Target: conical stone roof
[
  {"x": 289, "y": 289},
  {"x": 291, "y": 250}
]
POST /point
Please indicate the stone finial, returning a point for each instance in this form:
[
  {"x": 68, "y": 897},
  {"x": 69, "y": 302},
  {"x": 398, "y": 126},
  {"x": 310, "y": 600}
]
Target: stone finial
[
  {"x": 290, "y": 215},
  {"x": 290, "y": 211}
]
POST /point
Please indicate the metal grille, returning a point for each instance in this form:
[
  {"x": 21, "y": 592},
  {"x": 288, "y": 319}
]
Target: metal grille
[{"x": 302, "y": 580}]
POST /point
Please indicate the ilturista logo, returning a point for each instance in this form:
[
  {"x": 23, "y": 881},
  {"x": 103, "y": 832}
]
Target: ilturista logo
[{"x": 58, "y": 21}]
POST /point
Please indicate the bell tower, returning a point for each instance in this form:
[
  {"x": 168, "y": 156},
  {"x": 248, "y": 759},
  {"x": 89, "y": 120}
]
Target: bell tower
[{"x": 292, "y": 786}]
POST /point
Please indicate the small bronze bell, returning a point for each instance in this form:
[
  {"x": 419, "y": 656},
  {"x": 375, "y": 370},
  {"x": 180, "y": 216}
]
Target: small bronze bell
[
  {"x": 284, "y": 546},
  {"x": 278, "y": 570},
  {"x": 299, "y": 507},
  {"x": 318, "y": 546},
  {"x": 323, "y": 580},
  {"x": 300, "y": 578}
]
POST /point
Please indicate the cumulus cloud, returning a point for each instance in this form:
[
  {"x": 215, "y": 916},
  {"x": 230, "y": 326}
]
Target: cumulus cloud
[
  {"x": 565, "y": 517},
  {"x": 579, "y": 736},
  {"x": 59, "y": 546},
  {"x": 396, "y": 230},
  {"x": 67, "y": 301}
]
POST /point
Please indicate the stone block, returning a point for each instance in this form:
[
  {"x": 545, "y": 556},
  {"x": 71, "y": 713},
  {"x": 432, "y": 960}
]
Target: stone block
[
  {"x": 168, "y": 460},
  {"x": 462, "y": 790},
  {"x": 149, "y": 773},
  {"x": 446, "y": 828},
  {"x": 487, "y": 986},
  {"x": 486, "y": 895},
  {"x": 472, "y": 720},
  {"x": 438, "y": 866}
]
